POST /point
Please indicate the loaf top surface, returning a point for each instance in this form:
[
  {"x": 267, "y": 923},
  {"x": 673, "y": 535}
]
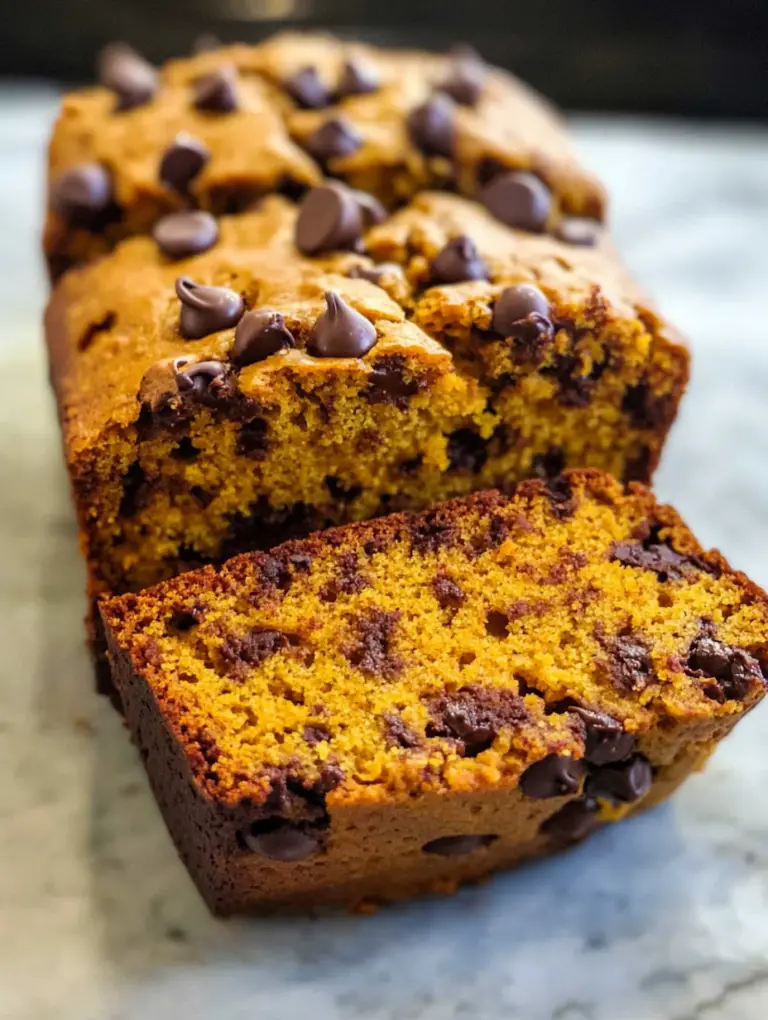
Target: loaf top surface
[
  {"x": 262, "y": 134},
  {"x": 111, "y": 323},
  {"x": 448, "y": 650}
]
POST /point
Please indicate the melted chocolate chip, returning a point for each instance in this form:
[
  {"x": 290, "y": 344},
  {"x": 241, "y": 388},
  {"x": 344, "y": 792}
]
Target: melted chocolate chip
[
  {"x": 341, "y": 332},
  {"x": 128, "y": 75},
  {"x": 333, "y": 140},
  {"x": 629, "y": 663},
  {"x": 306, "y": 88},
  {"x": 459, "y": 260},
  {"x": 182, "y": 162},
  {"x": 81, "y": 193},
  {"x": 457, "y": 846},
  {"x": 554, "y": 776},
  {"x": 372, "y": 652},
  {"x": 375, "y": 274},
  {"x": 549, "y": 464},
  {"x": 281, "y": 840},
  {"x": 467, "y": 451},
  {"x": 316, "y": 734},
  {"x": 606, "y": 740},
  {"x": 252, "y": 439},
  {"x": 206, "y": 310},
  {"x": 573, "y": 822},
  {"x": 252, "y": 648},
  {"x": 466, "y": 78},
  {"x": 387, "y": 383},
  {"x": 217, "y": 92},
  {"x": 181, "y": 234},
  {"x": 659, "y": 558},
  {"x": 397, "y": 734},
  {"x": 726, "y": 673},
  {"x": 579, "y": 231},
  {"x": 448, "y": 594},
  {"x": 260, "y": 334},
  {"x": 329, "y": 219},
  {"x": 356, "y": 79},
  {"x": 206, "y": 382},
  {"x": 646, "y": 409},
  {"x": 431, "y": 126},
  {"x": 474, "y": 715},
  {"x": 623, "y": 783},
  {"x": 519, "y": 199}
]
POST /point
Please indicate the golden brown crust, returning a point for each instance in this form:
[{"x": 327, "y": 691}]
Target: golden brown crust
[
  {"x": 260, "y": 147},
  {"x": 405, "y": 676}
]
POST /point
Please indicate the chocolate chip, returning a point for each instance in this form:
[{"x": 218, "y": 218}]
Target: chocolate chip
[
  {"x": 448, "y": 594},
  {"x": 372, "y": 652},
  {"x": 253, "y": 648},
  {"x": 252, "y": 439},
  {"x": 474, "y": 715},
  {"x": 182, "y": 162},
  {"x": 128, "y": 75},
  {"x": 375, "y": 274},
  {"x": 466, "y": 78},
  {"x": 306, "y": 88},
  {"x": 205, "y": 382},
  {"x": 356, "y": 79},
  {"x": 342, "y": 492},
  {"x": 549, "y": 464},
  {"x": 580, "y": 231},
  {"x": 387, "y": 383},
  {"x": 629, "y": 665},
  {"x": 659, "y": 558},
  {"x": 397, "y": 734},
  {"x": 329, "y": 219},
  {"x": 467, "y": 451},
  {"x": 181, "y": 234},
  {"x": 371, "y": 209},
  {"x": 281, "y": 840},
  {"x": 623, "y": 783},
  {"x": 216, "y": 92},
  {"x": 206, "y": 42},
  {"x": 575, "y": 387},
  {"x": 82, "y": 192},
  {"x": 316, "y": 734},
  {"x": 333, "y": 140},
  {"x": 519, "y": 199},
  {"x": 206, "y": 310},
  {"x": 574, "y": 821},
  {"x": 496, "y": 624},
  {"x": 556, "y": 775},
  {"x": 341, "y": 332},
  {"x": 646, "y": 409},
  {"x": 457, "y": 846},
  {"x": 733, "y": 672},
  {"x": 431, "y": 126},
  {"x": 260, "y": 334},
  {"x": 516, "y": 305},
  {"x": 560, "y": 495},
  {"x": 606, "y": 740},
  {"x": 459, "y": 260}
]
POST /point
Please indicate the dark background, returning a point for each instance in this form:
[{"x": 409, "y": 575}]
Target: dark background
[{"x": 673, "y": 56}]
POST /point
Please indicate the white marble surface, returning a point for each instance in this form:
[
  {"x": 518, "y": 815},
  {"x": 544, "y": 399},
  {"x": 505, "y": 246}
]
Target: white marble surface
[{"x": 663, "y": 918}]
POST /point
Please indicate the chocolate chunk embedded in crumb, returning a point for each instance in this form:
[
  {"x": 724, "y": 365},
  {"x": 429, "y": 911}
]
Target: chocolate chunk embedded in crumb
[
  {"x": 606, "y": 740},
  {"x": 474, "y": 715},
  {"x": 448, "y": 594},
  {"x": 283, "y": 840},
  {"x": 658, "y": 558},
  {"x": 629, "y": 663},
  {"x": 387, "y": 383},
  {"x": 726, "y": 673},
  {"x": 253, "y": 648},
  {"x": 467, "y": 451},
  {"x": 622, "y": 783},
  {"x": 522, "y": 313},
  {"x": 457, "y": 846},
  {"x": 397, "y": 734},
  {"x": 556, "y": 775},
  {"x": 573, "y": 822},
  {"x": 373, "y": 650}
]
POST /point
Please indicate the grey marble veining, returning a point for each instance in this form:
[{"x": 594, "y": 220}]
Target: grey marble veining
[{"x": 662, "y": 918}]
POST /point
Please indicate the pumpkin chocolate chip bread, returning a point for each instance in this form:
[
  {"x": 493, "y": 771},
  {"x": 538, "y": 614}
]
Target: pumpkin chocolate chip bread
[
  {"x": 218, "y": 130},
  {"x": 228, "y": 400},
  {"x": 404, "y": 704}
]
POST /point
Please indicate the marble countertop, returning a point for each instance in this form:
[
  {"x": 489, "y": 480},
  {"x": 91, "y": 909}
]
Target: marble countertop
[{"x": 662, "y": 918}]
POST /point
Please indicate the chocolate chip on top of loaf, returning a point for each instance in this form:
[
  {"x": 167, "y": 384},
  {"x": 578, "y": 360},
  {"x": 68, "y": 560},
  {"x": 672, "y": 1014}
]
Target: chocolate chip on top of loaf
[
  {"x": 218, "y": 130},
  {"x": 231, "y": 399},
  {"x": 408, "y": 703}
]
